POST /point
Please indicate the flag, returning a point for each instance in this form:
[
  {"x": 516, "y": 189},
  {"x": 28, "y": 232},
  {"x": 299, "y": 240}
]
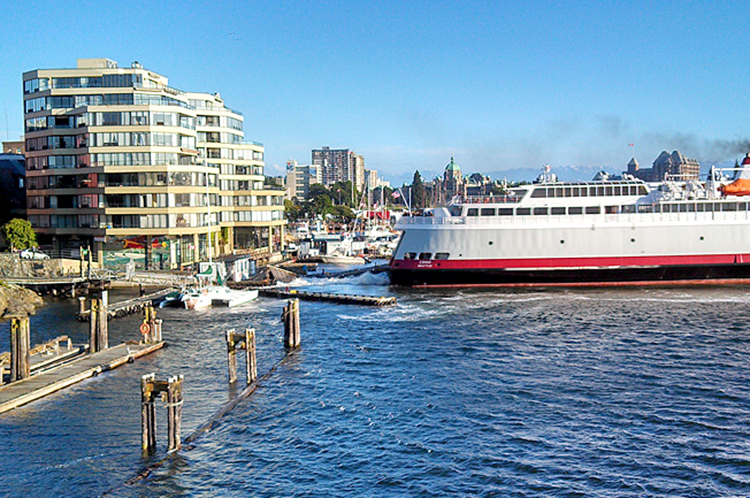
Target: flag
[
  {"x": 395, "y": 194},
  {"x": 631, "y": 145}
]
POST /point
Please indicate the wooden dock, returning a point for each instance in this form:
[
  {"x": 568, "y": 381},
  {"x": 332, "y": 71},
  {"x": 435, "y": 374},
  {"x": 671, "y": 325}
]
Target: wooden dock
[
  {"x": 128, "y": 307},
  {"x": 351, "y": 273},
  {"x": 37, "y": 386},
  {"x": 328, "y": 297}
]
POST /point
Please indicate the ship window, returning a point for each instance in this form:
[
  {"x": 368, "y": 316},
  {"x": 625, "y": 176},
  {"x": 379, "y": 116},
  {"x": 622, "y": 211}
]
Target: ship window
[
  {"x": 646, "y": 208},
  {"x": 629, "y": 208},
  {"x": 742, "y": 206},
  {"x": 599, "y": 191},
  {"x": 540, "y": 211},
  {"x": 610, "y": 209},
  {"x": 505, "y": 212},
  {"x": 729, "y": 206},
  {"x": 441, "y": 255},
  {"x": 558, "y": 192},
  {"x": 472, "y": 212},
  {"x": 584, "y": 191},
  {"x": 523, "y": 211},
  {"x": 410, "y": 255},
  {"x": 568, "y": 192},
  {"x": 618, "y": 190},
  {"x": 425, "y": 255},
  {"x": 558, "y": 210},
  {"x": 642, "y": 190},
  {"x": 539, "y": 193},
  {"x": 692, "y": 208},
  {"x": 455, "y": 210},
  {"x": 592, "y": 209},
  {"x": 701, "y": 207},
  {"x": 683, "y": 208},
  {"x": 608, "y": 190},
  {"x": 574, "y": 210},
  {"x": 576, "y": 191},
  {"x": 488, "y": 212}
]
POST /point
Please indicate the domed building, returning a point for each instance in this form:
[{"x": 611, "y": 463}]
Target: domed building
[{"x": 453, "y": 182}]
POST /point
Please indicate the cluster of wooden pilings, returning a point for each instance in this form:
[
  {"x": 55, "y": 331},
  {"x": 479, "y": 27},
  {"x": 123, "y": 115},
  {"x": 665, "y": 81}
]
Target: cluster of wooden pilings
[
  {"x": 171, "y": 394},
  {"x": 171, "y": 388}
]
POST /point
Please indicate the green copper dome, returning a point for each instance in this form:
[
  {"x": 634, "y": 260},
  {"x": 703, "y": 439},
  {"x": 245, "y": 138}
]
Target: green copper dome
[{"x": 452, "y": 166}]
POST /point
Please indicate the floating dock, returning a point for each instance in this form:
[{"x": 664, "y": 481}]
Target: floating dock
[
  {"x": 40, "y": 385},
  {"x": 329, "y": 297},
  {"x": 350, "y": 273}
]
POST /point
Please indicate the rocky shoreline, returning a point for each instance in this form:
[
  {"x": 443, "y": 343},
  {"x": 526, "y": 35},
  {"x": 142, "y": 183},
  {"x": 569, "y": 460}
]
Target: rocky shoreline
[{"x": 15, "y": 300}]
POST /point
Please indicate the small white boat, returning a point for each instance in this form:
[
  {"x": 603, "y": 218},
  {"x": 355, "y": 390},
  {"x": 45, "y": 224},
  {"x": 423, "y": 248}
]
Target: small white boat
[
  {"x": 234, "y": 297},
  {"x": 341, "y": 259},
  {"x": 193, "y": 299}
]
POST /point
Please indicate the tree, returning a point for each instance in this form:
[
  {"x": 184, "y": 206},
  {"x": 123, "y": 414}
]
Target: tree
[
  {"x": 19, "y": 234},
  {"x": 417, "y": 192},
  {"x": 291, "y": 210}
]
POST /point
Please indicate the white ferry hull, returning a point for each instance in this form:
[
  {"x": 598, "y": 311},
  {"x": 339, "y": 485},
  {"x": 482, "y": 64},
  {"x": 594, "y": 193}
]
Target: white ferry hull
[{"x": 597, "y": 250}]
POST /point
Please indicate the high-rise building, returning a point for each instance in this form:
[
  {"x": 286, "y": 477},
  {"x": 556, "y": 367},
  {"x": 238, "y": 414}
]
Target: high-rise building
[
  {"x": 299, "y": 178},
  {"x": 340, "y": 165},
  {"x": 117, "y": 158}
]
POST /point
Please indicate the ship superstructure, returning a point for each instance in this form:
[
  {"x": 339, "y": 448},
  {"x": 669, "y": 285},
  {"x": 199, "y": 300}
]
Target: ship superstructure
[{"x": 602, "y": 232}]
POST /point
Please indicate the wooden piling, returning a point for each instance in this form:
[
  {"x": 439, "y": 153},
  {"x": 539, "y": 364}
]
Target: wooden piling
[
  {"x": 292, "y": 336},
  {"x": 171, "y": 391},
  {"x": 148, "y": 414},
  {"x": 94, "y": 325},
  {"x": 231, "y": 356},
  {"x": 174, "y": 413},
  {"x": 246, "y": 341},
  {"x": 151, "y": 327},
  {"x": 251, "y": 363},
  {"x": 103, "y": 322},
  {"x": 20, "y": 346},
  {"x": 98, "y": 332},
  {"x": 81, "y": 307}
]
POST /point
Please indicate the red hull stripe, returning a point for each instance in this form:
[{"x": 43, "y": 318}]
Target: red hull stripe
[
  {"x": 570, "y": 263},
  {"x": 640, "y": 283}
]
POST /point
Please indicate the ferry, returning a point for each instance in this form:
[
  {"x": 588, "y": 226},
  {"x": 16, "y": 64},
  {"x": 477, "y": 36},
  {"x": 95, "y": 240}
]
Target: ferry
[{"x": 603, "y": 232}]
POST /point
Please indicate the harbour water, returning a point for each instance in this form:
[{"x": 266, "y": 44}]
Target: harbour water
[{"x": 623, "y": 392}]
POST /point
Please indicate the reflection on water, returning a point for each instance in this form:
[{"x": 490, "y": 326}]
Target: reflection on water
[{"x": 493, "y": 393}]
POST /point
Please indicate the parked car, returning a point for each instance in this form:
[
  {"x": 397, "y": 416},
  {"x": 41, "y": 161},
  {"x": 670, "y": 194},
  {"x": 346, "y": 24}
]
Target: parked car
[{"x": 33, "y": 253}]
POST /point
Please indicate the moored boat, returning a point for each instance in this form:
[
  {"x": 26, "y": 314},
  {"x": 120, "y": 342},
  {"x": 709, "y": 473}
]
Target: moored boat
[{"x": 603, "y": 232}]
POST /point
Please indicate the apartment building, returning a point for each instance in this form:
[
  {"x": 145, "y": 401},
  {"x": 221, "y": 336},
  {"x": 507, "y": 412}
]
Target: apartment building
[
  {"x": 299, "y": 178},
  {"x": 340, "y": 165},
  {"x": 118, "y": 159}
]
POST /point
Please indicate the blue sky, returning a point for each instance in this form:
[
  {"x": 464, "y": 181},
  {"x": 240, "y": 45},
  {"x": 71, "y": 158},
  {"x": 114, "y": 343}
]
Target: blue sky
[{"x": 408, "y": 84}]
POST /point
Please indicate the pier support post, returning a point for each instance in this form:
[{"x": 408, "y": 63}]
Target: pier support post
[
  {"x": 98, "y": 333},
  {"x": 246, "y": 341},
  {"x": 292, "y": 336},
  {"x": 174, "y": 413},
  {"x": 152, "y": 333},
  {"x": 20, "y": 345},
  {"x": 81, "y": 307},
  {"x": 171, "y": 391},
  {"x": 148, "y": 414}
]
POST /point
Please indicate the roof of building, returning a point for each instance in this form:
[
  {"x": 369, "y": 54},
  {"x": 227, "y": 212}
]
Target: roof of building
[
  {"x": 14, "y": 162},
  {"x": 452, "y": 166}
]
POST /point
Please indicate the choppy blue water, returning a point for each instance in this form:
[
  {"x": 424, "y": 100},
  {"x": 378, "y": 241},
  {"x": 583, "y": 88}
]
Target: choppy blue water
[{"x": 637, "y": 392}]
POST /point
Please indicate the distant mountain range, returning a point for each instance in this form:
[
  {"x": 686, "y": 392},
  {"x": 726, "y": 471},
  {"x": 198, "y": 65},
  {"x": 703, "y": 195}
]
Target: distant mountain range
[{"x": 564, "y": 173}]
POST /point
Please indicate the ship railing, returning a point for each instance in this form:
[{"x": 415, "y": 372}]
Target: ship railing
[{"x": 705, "y": 217}]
